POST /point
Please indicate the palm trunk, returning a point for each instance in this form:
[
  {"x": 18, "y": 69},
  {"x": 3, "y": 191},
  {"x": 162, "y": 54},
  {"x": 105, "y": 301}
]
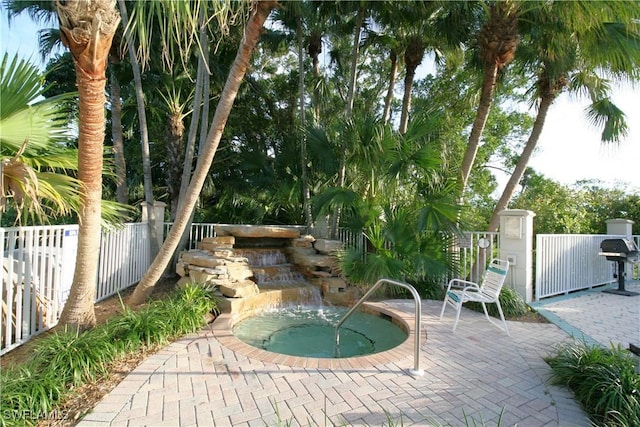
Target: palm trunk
[
  {"x": 78, "y": 310},
  {"x": 122, "y": 191},
  {"x": 386, "y": 115},
  {"x": 406, "y": 99},
  {"x": 315, "y": 48},
  {"x": 144, "y": 137},
  {"x": 523, "y": 161},
  {"x": 486, "y": 99},
  {"x": 200, "y": 102},
  {"x": 306, "y": 197},
  {"x": 342, "y": 169},
  {"x": 261, "y": 11},
  {"x": 195, "y": 116},
  {"x": 88, "y": 32}
]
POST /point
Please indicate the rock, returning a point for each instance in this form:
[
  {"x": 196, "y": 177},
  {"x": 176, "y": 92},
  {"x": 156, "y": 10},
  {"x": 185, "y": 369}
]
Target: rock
[
  {"x": 257, "y": 231},
  {"x": 303, "y": 242},
  {"x": 320, "y": 273},
  {"x": 325, "y": 246},
  {"x": 184, "y": 281},
  {"x": 218, "y": 242},
  {"x": 201, "y": 258},
  {"x": 293, "y": 252},
  {"x": 333, "y": 284},
  {"x": 238, "y": 271},
  {"x": 242, "y": 289},
  {"x": 181, "y": 269},
  {"x": 201, "y": 277},
  {"x": 316, "y": 260}
]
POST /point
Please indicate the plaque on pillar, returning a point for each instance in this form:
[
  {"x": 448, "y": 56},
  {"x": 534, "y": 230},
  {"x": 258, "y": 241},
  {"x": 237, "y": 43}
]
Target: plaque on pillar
[{"x": 513, "y": 227}]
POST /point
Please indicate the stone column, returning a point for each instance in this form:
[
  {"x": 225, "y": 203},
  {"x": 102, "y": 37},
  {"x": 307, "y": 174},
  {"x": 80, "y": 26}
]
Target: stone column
[
  {"x": 620, "y": 227},
  {"x": 516, "y": 246},
  {"x": 159, "y": 208}
]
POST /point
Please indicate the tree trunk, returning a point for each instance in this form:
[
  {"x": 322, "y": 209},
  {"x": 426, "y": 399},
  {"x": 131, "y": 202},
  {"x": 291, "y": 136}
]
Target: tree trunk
[
  {"x": 490, "y": 76},
  {"x": 144, "y": 137},
  {"x": 406, "y": 99},
  {"x": 175, "y": 161},
  {"x": 306, "y": 197},
  {"x": 260, "y": 12},
  {"x": 122, "y": 191},
  {"x": 198, "y": 118},
  {"x": 497, "y": 39},
  {"x": 314, "y": 50},
  {"x": 523, "y": 161},
  {"x": 386, "y": 115},
  {"x": 342, "y": 169},
  {"x": 88, "y": 29}
]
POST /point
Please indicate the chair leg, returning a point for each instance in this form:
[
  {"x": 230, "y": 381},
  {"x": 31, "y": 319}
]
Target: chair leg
[
  {"x": 504, "y": 322},
  {"x": 458, "y": 310},
  {"x": 444, "y": 305}
]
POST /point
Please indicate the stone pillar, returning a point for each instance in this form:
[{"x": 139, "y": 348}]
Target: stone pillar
[
  {"x": 516, "y": 246},
  {"x": 620, "y": 227},
  {"x": 159, "y": 208}
]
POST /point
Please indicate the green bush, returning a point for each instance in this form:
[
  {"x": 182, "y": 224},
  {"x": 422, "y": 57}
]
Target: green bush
[
  {"x": 512, "y": 305},
  {"x": 604, "y": 381},
  {"x": 64, "y": 359}
]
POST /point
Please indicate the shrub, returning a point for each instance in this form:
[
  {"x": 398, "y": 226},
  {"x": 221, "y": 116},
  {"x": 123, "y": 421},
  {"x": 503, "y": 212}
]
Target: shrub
[
  {"x": 65, "y": 359},
  {"x": 512, "y": 304},
  {"x": 604, "y": 381}
]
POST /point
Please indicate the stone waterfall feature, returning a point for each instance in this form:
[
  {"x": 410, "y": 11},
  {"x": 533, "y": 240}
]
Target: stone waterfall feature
[{"x": 246, "y": 261}]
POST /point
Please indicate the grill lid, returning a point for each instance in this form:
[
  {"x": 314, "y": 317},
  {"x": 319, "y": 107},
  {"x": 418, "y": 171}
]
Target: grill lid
[{"x": 621, "y": 246}]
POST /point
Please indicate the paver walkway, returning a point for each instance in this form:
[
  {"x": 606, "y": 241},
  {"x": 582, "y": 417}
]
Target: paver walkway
[
  {"x": 594, "y": 316},
  {"x": 479, "y": 375}
]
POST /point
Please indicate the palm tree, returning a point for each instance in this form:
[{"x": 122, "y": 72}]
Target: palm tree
[
  {"x": 175, "y": 110},
  {"x": 120, "y": 164},
  {"x": 497, "y": 41},
  {"x": 87, "y": 29},
  {"x": 570, "y": 48},
  {"x": 29, "y": 128},
  {"x": 353, "y": 75},
  {"x": 259, "y": 13},
  {"x": 144, "y": 133}
]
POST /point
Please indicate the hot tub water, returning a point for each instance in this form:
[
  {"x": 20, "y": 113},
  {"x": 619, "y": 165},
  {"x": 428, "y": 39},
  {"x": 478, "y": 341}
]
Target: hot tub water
[{"x": 309, "y": 331}]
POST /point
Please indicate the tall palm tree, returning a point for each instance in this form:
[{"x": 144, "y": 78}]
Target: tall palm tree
[
  {"x": 497, "y": 42},
  {"x": 144, "y": 133},
  {"x": 259, "y": 13},
  {"x": 361, "y": 14},
  {"x": 87, "y": 29},
  {"x": 120, "y": 164},
  {"x": 571, "y": 48},
  {"x": 174, "y": 107}
]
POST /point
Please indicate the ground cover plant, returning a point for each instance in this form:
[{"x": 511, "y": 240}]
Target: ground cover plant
[
  {"x": 605, "y": 382},
  {"x": 65, "y": 360}
]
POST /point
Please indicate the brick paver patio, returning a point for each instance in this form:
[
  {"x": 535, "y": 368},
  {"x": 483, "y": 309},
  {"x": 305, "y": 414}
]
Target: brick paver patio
[{"x": 479, "y": 375}]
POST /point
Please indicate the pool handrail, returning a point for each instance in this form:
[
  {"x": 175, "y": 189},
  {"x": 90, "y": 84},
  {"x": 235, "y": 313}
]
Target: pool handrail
[{"x": 416, "y": 371}]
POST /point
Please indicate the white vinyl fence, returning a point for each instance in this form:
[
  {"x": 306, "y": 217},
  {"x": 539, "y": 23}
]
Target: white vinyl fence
[
  {"x": 570, "y": 262},
  {"x": 37, "y": 272},
  {"x": 38, "y": 264}
]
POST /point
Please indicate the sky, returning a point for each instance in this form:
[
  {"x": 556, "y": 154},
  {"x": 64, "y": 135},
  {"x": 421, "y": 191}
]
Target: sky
[{"x": 569, "y": 148}]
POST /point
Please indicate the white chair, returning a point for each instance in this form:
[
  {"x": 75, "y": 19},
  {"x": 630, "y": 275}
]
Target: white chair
[{"x": 460, "y": 291}]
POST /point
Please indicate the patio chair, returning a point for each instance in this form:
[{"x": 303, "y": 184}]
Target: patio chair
[{"x": 460, "y": 291}]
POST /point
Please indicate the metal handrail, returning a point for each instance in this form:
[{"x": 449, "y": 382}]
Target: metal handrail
[{"x": 416, "y": 371}]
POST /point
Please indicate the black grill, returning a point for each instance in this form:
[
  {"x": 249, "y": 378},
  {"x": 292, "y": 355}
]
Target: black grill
[{"x": 620, "y": 251}]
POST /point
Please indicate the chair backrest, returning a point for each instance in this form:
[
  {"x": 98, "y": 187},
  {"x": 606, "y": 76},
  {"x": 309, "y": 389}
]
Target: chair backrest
[{"x": 494, "y": 277}]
